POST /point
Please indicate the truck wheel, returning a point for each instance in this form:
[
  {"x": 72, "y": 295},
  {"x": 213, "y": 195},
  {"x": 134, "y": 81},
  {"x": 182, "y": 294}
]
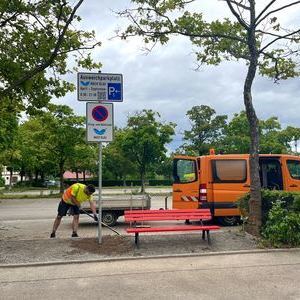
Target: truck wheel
[
  {"x": 109, "y": 218},
  {"x": 229, "y": 220}
]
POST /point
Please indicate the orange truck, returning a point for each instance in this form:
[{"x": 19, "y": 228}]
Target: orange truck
[{"x": 217, "y": 181}]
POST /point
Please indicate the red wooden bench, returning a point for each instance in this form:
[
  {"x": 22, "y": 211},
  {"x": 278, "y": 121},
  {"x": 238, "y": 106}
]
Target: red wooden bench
[{"x": 135, "y": 217}]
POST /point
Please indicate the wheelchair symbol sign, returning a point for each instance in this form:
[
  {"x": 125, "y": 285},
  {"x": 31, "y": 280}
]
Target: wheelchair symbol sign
[{"x": 114, "y": 91}]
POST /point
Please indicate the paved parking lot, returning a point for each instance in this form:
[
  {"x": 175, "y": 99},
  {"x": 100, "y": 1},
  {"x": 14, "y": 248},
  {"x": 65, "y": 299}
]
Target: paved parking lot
[{"x": 33, "y": 219}]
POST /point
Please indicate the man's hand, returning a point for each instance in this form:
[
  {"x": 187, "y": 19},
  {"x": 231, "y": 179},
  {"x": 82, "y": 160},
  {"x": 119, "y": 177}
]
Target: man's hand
[{"x": 96, "y": 218}]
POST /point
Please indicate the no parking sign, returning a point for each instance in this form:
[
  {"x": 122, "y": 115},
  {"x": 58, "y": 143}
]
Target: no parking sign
[{"x": 100, "y": 122}]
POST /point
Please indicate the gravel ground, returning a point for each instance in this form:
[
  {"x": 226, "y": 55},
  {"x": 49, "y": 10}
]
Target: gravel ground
[{"x": 42, "y": 250}]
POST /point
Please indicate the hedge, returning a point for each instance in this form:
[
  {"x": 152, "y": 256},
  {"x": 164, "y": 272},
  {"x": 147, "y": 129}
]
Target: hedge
[{"x": 289, "y": 201}]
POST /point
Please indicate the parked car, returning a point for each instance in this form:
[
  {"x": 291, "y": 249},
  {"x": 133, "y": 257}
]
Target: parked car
[{"x": 50, "y": 182}]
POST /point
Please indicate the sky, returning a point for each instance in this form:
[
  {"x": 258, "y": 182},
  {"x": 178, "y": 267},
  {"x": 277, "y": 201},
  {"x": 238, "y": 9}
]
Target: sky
[{"x": 165, "y": 79}]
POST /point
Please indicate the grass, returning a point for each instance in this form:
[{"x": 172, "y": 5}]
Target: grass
[{"x": 16, "y": 196}]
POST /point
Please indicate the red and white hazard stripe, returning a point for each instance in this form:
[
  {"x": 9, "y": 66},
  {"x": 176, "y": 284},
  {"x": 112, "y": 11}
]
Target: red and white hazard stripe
[{"x": 189, "y": 198}]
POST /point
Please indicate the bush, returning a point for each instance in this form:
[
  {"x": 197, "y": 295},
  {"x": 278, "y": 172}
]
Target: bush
[
  {"x": 2, "y": 181},
  {"x": 289, "y": 200},
  {"x": 282, "y": 226}
]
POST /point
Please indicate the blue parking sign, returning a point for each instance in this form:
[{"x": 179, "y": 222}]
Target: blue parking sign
[{"x": 114, "y": 91}]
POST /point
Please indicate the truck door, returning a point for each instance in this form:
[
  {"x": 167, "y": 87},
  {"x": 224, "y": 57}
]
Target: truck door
[
  {"x": 291, "y": 171},
  {"x": 230, "y": 180},
  {"x": 186, "y": 183}
]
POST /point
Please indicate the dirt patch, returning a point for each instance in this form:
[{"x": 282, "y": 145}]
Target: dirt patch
[
  {"x": 111, "y": 245},
  {"x": 68, "y": 249}
]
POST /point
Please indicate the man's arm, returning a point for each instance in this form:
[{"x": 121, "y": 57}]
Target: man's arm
[
  {"x": 94, "y": 210},
  {"x": 93, "y": 207},
  {"x": 74, "y": 201}
]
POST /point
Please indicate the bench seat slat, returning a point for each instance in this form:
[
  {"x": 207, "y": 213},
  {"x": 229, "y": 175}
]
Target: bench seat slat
[
  {"x": 173, "y": 228},
  {"x": 167, "y": 211},
  {"x": 165, "y": 218}
]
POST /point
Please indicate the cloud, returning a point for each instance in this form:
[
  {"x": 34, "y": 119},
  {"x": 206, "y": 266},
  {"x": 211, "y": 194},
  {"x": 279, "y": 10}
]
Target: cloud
[{"x": 164, "y": 80}]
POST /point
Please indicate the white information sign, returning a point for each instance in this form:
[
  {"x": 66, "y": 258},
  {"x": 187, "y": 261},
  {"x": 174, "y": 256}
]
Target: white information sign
[
  {"x": 100, "y": 87},
  {"x": 100, "y": 122}
]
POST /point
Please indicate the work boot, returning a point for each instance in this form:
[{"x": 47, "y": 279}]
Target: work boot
[
  {"x": 74, "y": 234},
  {"x": 52, "y": 235}
]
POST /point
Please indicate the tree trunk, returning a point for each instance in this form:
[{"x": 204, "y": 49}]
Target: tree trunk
[
  {"x": 143, "y": 182},
  {"x": 254, "y": 222},
  {"x": 36, "y": 175},
  {"x": 10, "y": 178},
  {"x": 77, "y": 176},
  {"x": 61, "y": 177}
]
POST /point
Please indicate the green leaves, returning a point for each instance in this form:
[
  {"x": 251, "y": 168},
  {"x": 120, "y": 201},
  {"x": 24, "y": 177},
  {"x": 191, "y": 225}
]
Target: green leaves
[
  {"x": 207, "y": 129},
  {"x": 35, "y": 37},
  {"x": 145, "y": 138}
]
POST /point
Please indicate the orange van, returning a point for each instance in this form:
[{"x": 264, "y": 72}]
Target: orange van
[{"x": 217, "y": 181}]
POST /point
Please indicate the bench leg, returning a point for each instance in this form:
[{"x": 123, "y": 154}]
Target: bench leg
[
  {"x": 208, "y": 237},
  {"x": 136, "y": 239},
  {"x": 203, "y": 234}
]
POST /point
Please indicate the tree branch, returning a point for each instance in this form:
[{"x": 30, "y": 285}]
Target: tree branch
[
  {"x": 275, "y": 10},
  {"x": 78, "y": 49},
  {"x": 39, "y": 68},
  {"x": 240, "y": 20},
  {"x": 277, "y": 39},
  {"x": 150, "y": 33},
  {"x": 264, "y": 10},
  {"x": 239, "y": 4},
  {"x": 273, "y": 34},
  {"x": 4, "y": 22}
]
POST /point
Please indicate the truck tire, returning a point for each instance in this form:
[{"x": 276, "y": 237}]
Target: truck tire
[
  {"x": 229, "y": 220},
  {"x": 109, "y": 218}
]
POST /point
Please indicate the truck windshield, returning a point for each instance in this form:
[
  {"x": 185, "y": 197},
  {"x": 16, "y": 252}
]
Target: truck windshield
[{"x": 184, "y": 170}]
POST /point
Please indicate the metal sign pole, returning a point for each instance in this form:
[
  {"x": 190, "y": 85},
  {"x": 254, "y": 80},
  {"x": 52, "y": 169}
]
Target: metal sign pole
[{"x": 100, "y": 195}]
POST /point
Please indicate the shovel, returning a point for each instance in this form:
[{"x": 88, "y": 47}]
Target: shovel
[{"x": 101, "y": 222}]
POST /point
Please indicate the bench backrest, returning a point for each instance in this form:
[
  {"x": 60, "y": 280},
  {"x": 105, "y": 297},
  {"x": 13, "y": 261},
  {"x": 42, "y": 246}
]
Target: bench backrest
[{"x": 170, "y": 214}]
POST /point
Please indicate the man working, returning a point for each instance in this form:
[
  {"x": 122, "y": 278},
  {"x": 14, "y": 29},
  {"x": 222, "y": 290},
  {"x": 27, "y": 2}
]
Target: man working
[{"x": 72, "y": 198}]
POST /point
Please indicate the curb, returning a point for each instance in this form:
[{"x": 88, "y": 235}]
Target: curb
[{"x": 126, "y": 258}]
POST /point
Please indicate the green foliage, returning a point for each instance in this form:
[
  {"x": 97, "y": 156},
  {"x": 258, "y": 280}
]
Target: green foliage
[
  {"x": 2, "y": 181},
  {"x": 282, "y": 226},
  {"x": 207, "y": 129},
  {"x": 288, "y": 200},
  {"x": 145, "y": 139},
  {"x": 223, "y": 39},
  {"x": 115, "y": 162},
  {"x": 38, "y": 40},
  {"x": 35, "y": 36}
]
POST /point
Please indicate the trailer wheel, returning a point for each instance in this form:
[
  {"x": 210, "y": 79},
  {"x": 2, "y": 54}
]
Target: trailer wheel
[
  {"x": 109, "y": 218},
  {"x": 229, "y": 220}
]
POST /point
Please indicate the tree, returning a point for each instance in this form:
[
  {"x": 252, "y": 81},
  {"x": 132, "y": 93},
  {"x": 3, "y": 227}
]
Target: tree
[
  {"x": 35, "y": 36},
  {"x": 255, "y": 37},
  {"x": 38, "y": 40},
  {"x": 35, "y": 149},
  {"x": 63, "y": 131},
  {"x": 84, "y": 158},
  {"x": 115, "y": 160},
  {"x": 236, "y": 138},
  {"x": 145, "y": 140},
  {"x": 289, "y": 135},
  {"x": 271, "y": 136},
  {"x": 206, "y": 129}
]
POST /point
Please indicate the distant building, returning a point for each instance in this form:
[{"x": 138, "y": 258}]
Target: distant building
[
  {"x": 6, "y": 175},
  {"x": 72, "y": 175}
]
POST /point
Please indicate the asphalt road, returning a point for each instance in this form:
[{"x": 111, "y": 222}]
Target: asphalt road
[
  {"x": 239, "y": 276},
  {"x": 33, "y": 219}
]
